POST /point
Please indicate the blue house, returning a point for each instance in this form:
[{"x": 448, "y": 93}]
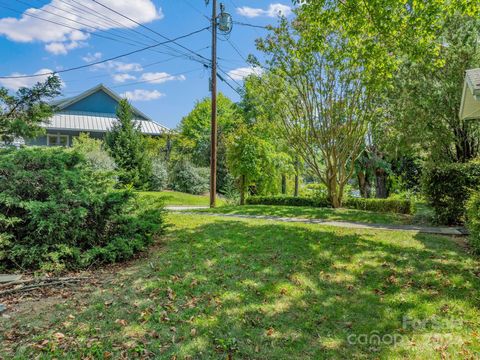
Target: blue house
[{"x": 92, "y": 112}]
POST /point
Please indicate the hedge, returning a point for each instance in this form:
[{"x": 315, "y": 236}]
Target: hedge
[
  {"x": 288, "y": 201},
  {"x": 473, "y": 221},
  {"x": 378, "y": 205},
  {"x": 398, "y": 206},
  {"x": 448, "y": 187}
]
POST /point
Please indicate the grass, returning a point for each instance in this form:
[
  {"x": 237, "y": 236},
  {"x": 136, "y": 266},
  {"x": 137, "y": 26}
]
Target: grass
[
  {"x": 178, "y": 198},
  {"x": 316, "y": 213},
  {"x": 256, "y": 289}
]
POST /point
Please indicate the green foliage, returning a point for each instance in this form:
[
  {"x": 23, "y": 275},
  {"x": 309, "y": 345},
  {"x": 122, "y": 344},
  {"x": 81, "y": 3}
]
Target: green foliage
[
  {"x": 22, "y": 113},
  {"x": 397, "y": 206},
  {"x": 94, "y": 152},
  {"x": 473, "y": 221},
  {"x": 194, "y": 134},
  {"x": 289, "y": 201},
  {"x": 425, "y": 101},
  {"x": 378, "y": 205},
  {"x": 127, "y": 146},
  {"x": 57, "y": 213},
  {"x": 184, "y": 177},
  {"x": 447, "y": 188},
  {"x": 159, "y": 178}
]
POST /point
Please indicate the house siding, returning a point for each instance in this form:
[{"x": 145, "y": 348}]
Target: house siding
[{"x": 42, "y": 140}]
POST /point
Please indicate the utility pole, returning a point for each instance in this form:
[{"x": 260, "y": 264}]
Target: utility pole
[
  {"x": 224, "y": 23},
  {"x": 213, "y": 134}
]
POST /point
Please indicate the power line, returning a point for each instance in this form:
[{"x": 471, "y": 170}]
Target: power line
[
  {"x": 57, "y": 23},
  {"x": 104, "y": 24},
  {"x": 79, "y": 22},
  {"x": 150, "y": 29},
  {"x": 107, "y": 20},
  {"x": 143, "y": 67},
  {"x": 251, "y": 25},
  {"x": 108, "y": 59}
]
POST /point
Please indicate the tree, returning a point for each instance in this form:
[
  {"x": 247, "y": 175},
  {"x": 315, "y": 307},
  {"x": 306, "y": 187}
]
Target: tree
[
  {"x": 325, "y": 101},
  {"x": 126, "y": 145},
  {"x": 194, "y": 134},
  {"x": 22, "y": 113},
  {"x": 425, "y": 102},
  {"x": 252, "y": 158}
]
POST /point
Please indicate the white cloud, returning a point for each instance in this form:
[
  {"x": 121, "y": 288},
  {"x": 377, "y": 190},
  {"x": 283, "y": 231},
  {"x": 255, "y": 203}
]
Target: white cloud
[
  {"x": 62, "y": 48},
  {"x": 89, "y": 58},
  {"x": 242, "y": 72},
  {"x": 160, "y": 77},
  {"x": 30, "y": 29},
  {"x": 119, "y": 66},
  {"x": 273, "y": 10},
  {"x": 15, "y": 84},
  {"x": 142, "y": 95},
  {"x": 120, "y": 78}
]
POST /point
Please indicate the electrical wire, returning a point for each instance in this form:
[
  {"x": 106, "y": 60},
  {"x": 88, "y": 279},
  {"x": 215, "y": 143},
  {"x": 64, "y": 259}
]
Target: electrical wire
[{"x": 108, "y": 59}]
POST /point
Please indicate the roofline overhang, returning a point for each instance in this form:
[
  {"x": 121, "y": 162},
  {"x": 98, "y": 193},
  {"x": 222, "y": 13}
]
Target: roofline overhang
[{"x": 110, "y": 92}]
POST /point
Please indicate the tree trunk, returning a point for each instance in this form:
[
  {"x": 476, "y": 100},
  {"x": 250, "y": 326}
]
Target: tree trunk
[
  {"x": 242, "y": 190},
  {"x": 381, "y": 191},
  {"x": 334, "y": 193},
  {"x": 296, "y": 179},
  {"x": 284, "y": 184},
  {"x": 364, "y": 185}
]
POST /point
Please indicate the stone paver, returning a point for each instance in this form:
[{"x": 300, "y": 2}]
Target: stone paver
[
  {"x": 6, "y": 278},
  {"x": 184, "y": 207},
  {"x": 343, "y": 224}
]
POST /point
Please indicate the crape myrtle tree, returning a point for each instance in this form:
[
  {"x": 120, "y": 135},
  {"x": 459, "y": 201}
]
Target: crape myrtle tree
[
  {"x": 127, "y": 146},
  {"x": 22, "y": 113},
  {"x": 262, "y": 117},
  {"x": 326, "y": 105}
]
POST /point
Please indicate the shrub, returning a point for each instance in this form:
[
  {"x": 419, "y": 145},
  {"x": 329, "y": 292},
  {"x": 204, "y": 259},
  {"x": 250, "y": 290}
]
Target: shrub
[
  {"x": 57, "y": 213},
  {"x": 95, "y": 154},
  {"x": 288, "y": 201},
  {"x": 378, "y": 205},
  {"x": 159, "y": 177},
  {"x": 398, "y": 206},
  {"x": 473, "y": 221},
  {"x": 185, "y": 177},
  {"x": 447, "y": 188},
  {"x": 127, "y": 145}
]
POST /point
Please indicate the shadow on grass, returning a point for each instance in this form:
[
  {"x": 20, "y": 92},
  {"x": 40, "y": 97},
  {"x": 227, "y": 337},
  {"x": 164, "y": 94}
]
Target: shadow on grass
[
  {"x": 262, "y": 290},
  {"x": 315, "y": 213}
]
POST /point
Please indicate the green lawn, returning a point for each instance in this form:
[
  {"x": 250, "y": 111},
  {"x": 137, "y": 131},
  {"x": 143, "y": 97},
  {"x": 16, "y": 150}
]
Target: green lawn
[
  {"x": 315, "y": 213},
  {"x": 265, "y": 290},
  {"x": 178, "y": 198}
]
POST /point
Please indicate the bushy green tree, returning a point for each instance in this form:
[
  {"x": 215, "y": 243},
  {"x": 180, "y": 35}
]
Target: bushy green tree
[
  {"x": 185, "y": 177},
  {"x": 22, "y": 113},
  {"x": 94, "y": 151},
  {"x": 194, "y": 134},
  {"x": 126, "y": 145}
]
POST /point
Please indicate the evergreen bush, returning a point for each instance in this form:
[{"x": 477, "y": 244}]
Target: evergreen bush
[{"x": 57, "y": 213}]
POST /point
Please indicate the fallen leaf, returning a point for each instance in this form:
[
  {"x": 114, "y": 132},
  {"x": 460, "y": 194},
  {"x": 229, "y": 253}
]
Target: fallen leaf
[{"x": 121, "y": 322}]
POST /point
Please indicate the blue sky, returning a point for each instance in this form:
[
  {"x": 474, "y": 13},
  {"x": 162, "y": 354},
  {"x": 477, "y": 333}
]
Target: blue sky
[{"x": 29, "y": 45}]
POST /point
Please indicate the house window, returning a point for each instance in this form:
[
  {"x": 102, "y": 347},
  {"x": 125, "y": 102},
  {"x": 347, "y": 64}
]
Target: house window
[{"x": 57, "y": 140}]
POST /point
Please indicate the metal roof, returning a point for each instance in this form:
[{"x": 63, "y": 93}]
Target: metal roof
[
  {"x": 473, "y": 80},
  {"x": 95, "y": 122}
]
